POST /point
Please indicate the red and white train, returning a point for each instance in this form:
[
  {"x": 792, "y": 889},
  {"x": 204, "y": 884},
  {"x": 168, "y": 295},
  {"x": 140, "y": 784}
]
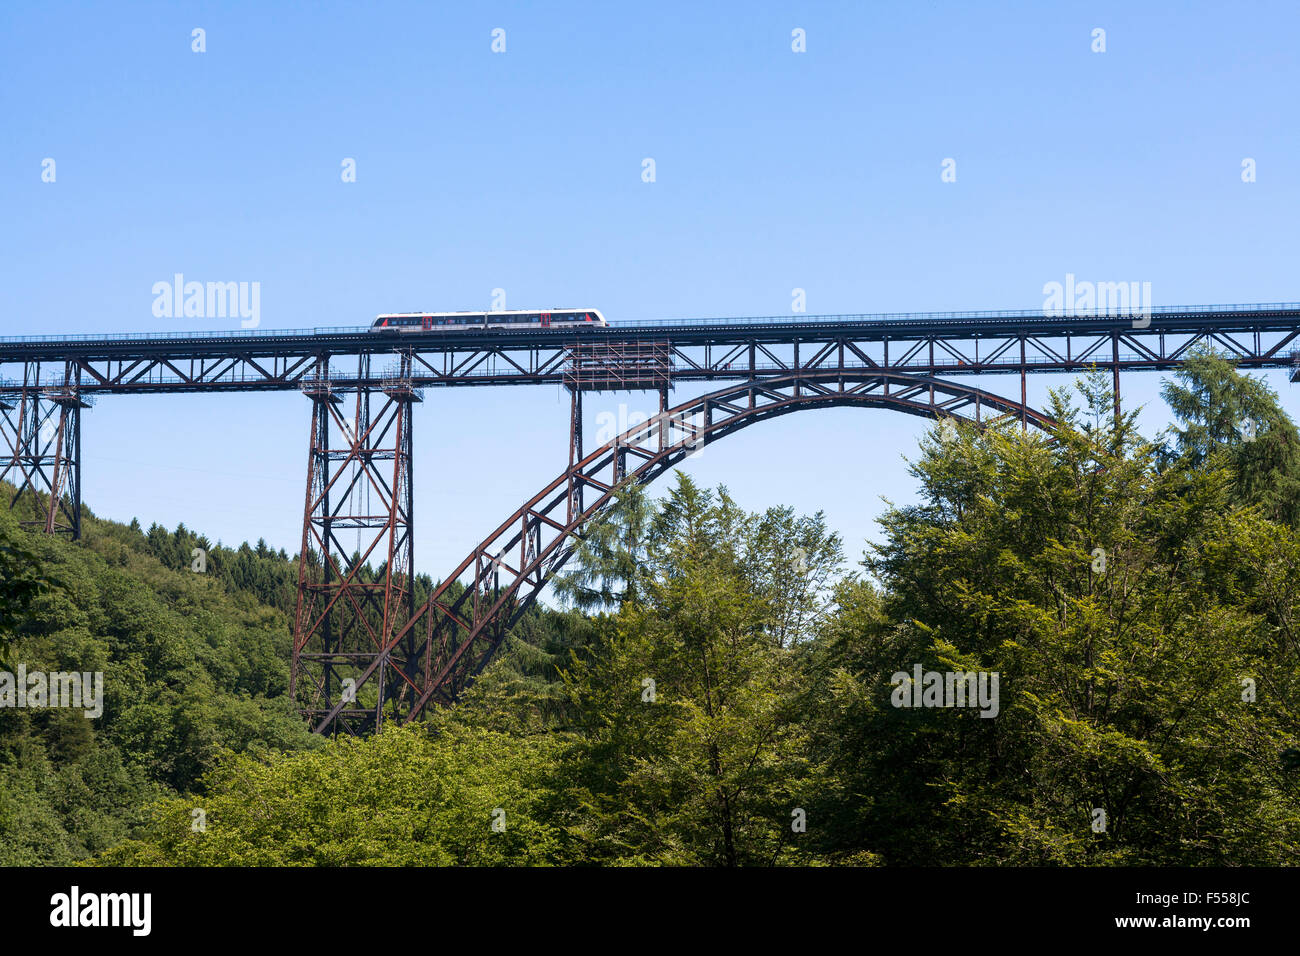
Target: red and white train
[{"x": 468, "y": 321}]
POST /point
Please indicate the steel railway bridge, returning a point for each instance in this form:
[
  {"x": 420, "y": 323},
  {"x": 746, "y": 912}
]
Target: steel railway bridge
[{"x": 363, "y": 651}]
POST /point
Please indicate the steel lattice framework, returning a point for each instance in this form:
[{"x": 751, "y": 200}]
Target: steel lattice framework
[
  {"x": 509, "y": 568},
  {"x": 40, "y": 427},
  {"x": 358, "y": 478},
  {"x": 363, "y": 651},
  {"x": 1258, "y": 336}
]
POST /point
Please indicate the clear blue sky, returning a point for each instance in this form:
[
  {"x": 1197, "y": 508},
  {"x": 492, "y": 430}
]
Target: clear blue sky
[{"x": 522, "y": 170}]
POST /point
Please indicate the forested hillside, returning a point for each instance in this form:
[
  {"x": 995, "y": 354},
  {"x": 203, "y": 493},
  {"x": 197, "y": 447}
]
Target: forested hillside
[
  {"x": 193, "y": 664},
  {"x": 723, "y": 689}
]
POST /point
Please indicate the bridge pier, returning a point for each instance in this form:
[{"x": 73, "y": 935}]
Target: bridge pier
[
  {"x": 1114, "y": 340},
  {"x": 575, "y": 451},
  {"x": 352, "y": 601},
  {"x": 663, "y": 411},
  {"x": 40, "y": 448}
]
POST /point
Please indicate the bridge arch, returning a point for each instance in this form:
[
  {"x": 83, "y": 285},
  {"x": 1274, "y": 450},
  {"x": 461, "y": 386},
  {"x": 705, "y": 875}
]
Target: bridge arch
[{"x": 449, "y": 640}]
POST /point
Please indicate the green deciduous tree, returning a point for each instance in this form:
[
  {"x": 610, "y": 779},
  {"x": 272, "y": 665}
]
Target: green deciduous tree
[
  {"x": 1234, "y": 420},
  {"x": 411, "y": 796},
  {"x": 690, "y": 744},
  {"x": 1111, "y": 599}
]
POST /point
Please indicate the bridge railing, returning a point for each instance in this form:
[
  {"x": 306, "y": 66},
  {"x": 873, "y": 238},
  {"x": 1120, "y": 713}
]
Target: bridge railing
[
  {"x": 166, "y": 336},
  {"x": 901, "y": 318}
]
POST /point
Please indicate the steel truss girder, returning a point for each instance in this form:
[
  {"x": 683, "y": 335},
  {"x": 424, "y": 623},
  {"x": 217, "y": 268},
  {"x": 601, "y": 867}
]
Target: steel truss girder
[
  {"x": 512, "y": 565},
  {"x": 626, "y": 358}
]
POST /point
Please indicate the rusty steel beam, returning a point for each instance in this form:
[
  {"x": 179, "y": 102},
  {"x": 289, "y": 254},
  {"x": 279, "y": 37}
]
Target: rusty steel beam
[{"x": 575, "y": 452}]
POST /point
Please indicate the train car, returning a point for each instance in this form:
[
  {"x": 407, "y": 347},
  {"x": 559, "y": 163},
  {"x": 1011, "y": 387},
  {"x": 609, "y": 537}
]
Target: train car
[{"x": 470, "y": 321}]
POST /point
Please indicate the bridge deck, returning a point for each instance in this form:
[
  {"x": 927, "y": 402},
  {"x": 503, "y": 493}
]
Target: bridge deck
[{"x": 1259, "y": 335}]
